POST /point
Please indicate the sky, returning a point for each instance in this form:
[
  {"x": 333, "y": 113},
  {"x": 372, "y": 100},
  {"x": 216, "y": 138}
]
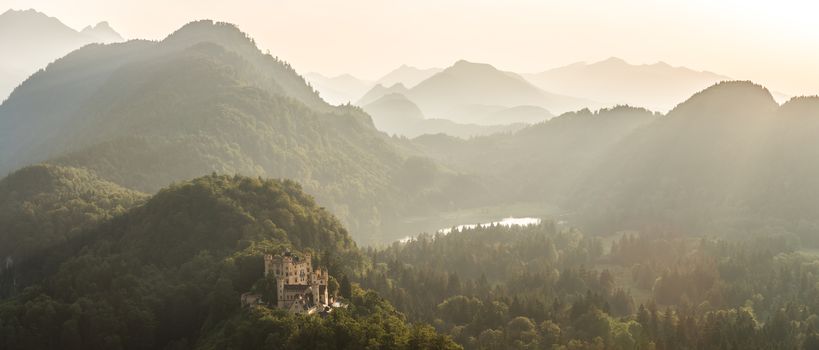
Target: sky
[{"x": 774, "y": 43}]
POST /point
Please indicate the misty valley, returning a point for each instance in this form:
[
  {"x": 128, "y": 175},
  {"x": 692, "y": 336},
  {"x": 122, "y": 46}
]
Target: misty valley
[{"x": 199, "y": 192}]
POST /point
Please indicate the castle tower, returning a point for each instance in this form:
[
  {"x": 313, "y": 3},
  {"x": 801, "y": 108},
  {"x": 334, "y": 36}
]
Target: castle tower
[
  {"x": 314, "y": 288},
  {"x": 268, "y": 264},
  {"x": 280, "y": 291}
]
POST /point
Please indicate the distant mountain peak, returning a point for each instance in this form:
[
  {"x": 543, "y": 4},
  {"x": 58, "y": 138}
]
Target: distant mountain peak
[
  {"x": 406, "y": 74},
  {"x": 467, "y": 65},
  {"x": 613, "y": 60},
  {"x": 102, "y": 26},
  {"x": 380, "y": 90},
  {"x": 473, "y": 70},
  {"x": 103, "y": 32}
]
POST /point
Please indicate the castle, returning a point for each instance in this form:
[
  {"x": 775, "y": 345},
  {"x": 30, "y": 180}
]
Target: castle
[{"x": 301, "y": 289}]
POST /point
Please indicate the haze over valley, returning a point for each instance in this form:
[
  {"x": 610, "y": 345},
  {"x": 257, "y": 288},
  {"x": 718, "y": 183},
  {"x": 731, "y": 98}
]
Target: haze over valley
[{"x": 199, "y": 190}]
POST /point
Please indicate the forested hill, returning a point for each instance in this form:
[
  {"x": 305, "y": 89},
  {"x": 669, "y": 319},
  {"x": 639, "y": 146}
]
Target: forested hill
[
  {"x": 44, "y": 205},
  {"x": 144, "y": 114},
  {"x": 169, "y": 274}
]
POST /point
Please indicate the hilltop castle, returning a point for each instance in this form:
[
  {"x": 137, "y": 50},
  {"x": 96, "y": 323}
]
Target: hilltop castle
[{"x": 300, "y": 287}]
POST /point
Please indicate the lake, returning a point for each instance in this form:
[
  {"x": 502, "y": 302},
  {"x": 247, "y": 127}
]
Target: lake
[{"x": 508, "y": 222}]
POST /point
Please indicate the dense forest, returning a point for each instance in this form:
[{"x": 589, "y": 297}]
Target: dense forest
[
  {"x": 551, "y": 287},
  {"x": 169, "y": 274},
  {"x": 45, "y": 206}
]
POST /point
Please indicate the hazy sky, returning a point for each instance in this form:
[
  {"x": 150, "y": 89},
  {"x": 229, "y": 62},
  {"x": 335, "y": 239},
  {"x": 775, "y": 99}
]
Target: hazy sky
[{"x": 775, "y": 43}]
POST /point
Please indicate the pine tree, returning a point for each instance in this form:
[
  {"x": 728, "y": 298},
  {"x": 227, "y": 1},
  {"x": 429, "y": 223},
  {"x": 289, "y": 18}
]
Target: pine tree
[{"x": 346, "y": 289}]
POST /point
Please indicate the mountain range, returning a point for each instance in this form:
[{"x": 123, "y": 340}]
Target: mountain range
[
  {"x": 466, "y": 99},
  {"x": 36, "y": 39},
  {"x": 457, "y": 91},
  {"x": 395, "y": 114},
  {"x": 614, "y": 81},
  {"x": 143, "y": 114},
  {"x": 610, "y": 82},
  {"x": 407, "y": 75},
  {"x": 489, "y": 91},
  {"x": 346, "y": 88}
]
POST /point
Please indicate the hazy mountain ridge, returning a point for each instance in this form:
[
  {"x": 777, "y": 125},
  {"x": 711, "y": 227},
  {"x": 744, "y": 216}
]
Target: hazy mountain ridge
[
  {"x": 339, "y": 89},
  {"x": 656, "y": 86},
  {"x": 36, "y": 39},
  {"x": 407, "y": 75},
  {"x": 729, "y": 160},
  {"x": 346, "y": 88},
  {"x": 380, "y": 90},
  {"x": 518, "y": 114},
  {"x": 539, "y": 162},
  {"x": 395, "y": 114},
  {"x": 477, "y": 96},
  {"x": 725, "y": 161},
  {"x": 466, "y": 83}
]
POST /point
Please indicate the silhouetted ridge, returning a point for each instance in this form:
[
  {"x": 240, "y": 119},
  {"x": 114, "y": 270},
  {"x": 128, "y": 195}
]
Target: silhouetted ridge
[
  {"x": 379, "y": 90},
  {"x": 728, "y": 98},
  {"x": 466, "y": 67},
  {"x": 802, "y": 106},
  {"x": 207, "y": 30},
  {"x": 613, "y": 61},
  {"x": 102, "y": 32}
]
